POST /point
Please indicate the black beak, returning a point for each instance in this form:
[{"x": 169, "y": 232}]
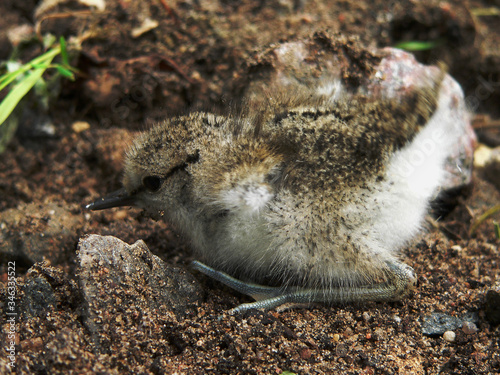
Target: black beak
[{"x": 116, "y": 199}]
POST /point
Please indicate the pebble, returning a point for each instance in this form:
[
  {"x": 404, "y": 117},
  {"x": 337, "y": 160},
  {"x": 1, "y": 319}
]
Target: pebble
[
  {"x": 449, "y": 336},
  {"x": 80, "y": 126},
  {"x": 469, "y": 328},
  {"x": 39, "y": 296},
  {"x": 437, "y": 324},
  {"x": 482, "y": 155}
]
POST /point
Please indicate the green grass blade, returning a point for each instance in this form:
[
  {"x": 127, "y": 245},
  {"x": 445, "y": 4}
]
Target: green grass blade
[
  {"x": 40, "y": 66},
  {"x": 9, "y": 77},
  {"x": 64, "y": 52},
  {"x": 65, "y": 72},
  {"x": 36, "y": 68},
  {"x": 39, "y": 62},
  {"x": 418, "y": 46},
  {"x": 481, "y": 12},
  {"x": 47, "y": 57},
  {"x": 18, "y": 92}
]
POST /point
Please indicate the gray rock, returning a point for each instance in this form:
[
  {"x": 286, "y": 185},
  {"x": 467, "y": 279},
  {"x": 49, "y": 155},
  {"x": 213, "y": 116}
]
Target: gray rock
[
  {"x": 123, "y": 283},
  {"x": 38, "y": 297},
  {"x": 44, "y": 289},
  {"x": 436, "y": 324}
]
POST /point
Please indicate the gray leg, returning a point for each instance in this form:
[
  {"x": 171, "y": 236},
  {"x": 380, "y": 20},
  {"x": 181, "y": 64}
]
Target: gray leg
[
  {"x": 256, "y": 291},
  {"x": 401, "y": 280}
]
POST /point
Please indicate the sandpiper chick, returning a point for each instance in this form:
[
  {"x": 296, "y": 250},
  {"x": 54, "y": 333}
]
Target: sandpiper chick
[{"x": 306, "y": 200}]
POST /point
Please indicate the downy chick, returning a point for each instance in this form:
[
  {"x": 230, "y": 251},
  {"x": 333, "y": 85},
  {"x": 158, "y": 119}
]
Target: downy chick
[{"x": 306, "y": 200}]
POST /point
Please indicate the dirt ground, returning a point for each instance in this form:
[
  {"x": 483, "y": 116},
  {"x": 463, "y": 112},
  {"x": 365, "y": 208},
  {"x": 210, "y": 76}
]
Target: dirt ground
[{"x": 141, "y": 61}]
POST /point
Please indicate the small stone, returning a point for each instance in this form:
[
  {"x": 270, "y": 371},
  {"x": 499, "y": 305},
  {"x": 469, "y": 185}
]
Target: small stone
[
  {"x": 336, "y": 337},
  {"x": 39, "y": 297},
  {"x": 341, "y": 350},
  {"x": 449, "y": 336},
  {"x": 482, "y": 156},
  {"x": 80, "y": 126},
  {"x": 109, "y": 262},
  {"x": 469, "y": 328},
  {"x": 438, "y": 323}
]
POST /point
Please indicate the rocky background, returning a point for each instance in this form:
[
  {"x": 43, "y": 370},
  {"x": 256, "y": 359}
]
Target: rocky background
[{"x": 110, "y": 292}]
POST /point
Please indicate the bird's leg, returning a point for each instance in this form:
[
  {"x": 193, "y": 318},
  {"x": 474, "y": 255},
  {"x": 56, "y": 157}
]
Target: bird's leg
[
  {"x": 400, "y": 281},
  {"x": 256, "y": 291}
]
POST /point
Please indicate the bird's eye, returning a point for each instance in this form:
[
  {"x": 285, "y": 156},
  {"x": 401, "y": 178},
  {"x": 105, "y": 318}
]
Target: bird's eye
[{"x": 152, "y": 183}]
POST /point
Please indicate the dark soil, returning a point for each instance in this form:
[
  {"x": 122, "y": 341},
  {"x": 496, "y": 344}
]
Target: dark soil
[{"x": 198, "y": 56}]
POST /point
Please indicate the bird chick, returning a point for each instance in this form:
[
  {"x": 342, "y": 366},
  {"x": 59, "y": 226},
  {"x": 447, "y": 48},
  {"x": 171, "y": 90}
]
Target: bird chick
[{"x": 306, "y": 200}]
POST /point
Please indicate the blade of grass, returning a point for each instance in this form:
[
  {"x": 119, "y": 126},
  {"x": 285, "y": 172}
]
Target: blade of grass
[
  {"x": 40, "y": 66},
  {"x": 47, "y": 56},
  {"x": 44, "y": 59},
  {"x": 18, "y": 92},
  {"x": 418, "y": 46},
  {"x": 491, "y": 11},
  {"x": 483, "y": 217},
  {"x": 64, "y": 52},
  {"x": 65, "y": 72},
  {"x": 9, "y": 77}
]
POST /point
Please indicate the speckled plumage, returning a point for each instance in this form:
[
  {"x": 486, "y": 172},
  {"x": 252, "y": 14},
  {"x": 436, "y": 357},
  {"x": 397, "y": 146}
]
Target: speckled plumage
[{"x": 305, "y": 194}]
